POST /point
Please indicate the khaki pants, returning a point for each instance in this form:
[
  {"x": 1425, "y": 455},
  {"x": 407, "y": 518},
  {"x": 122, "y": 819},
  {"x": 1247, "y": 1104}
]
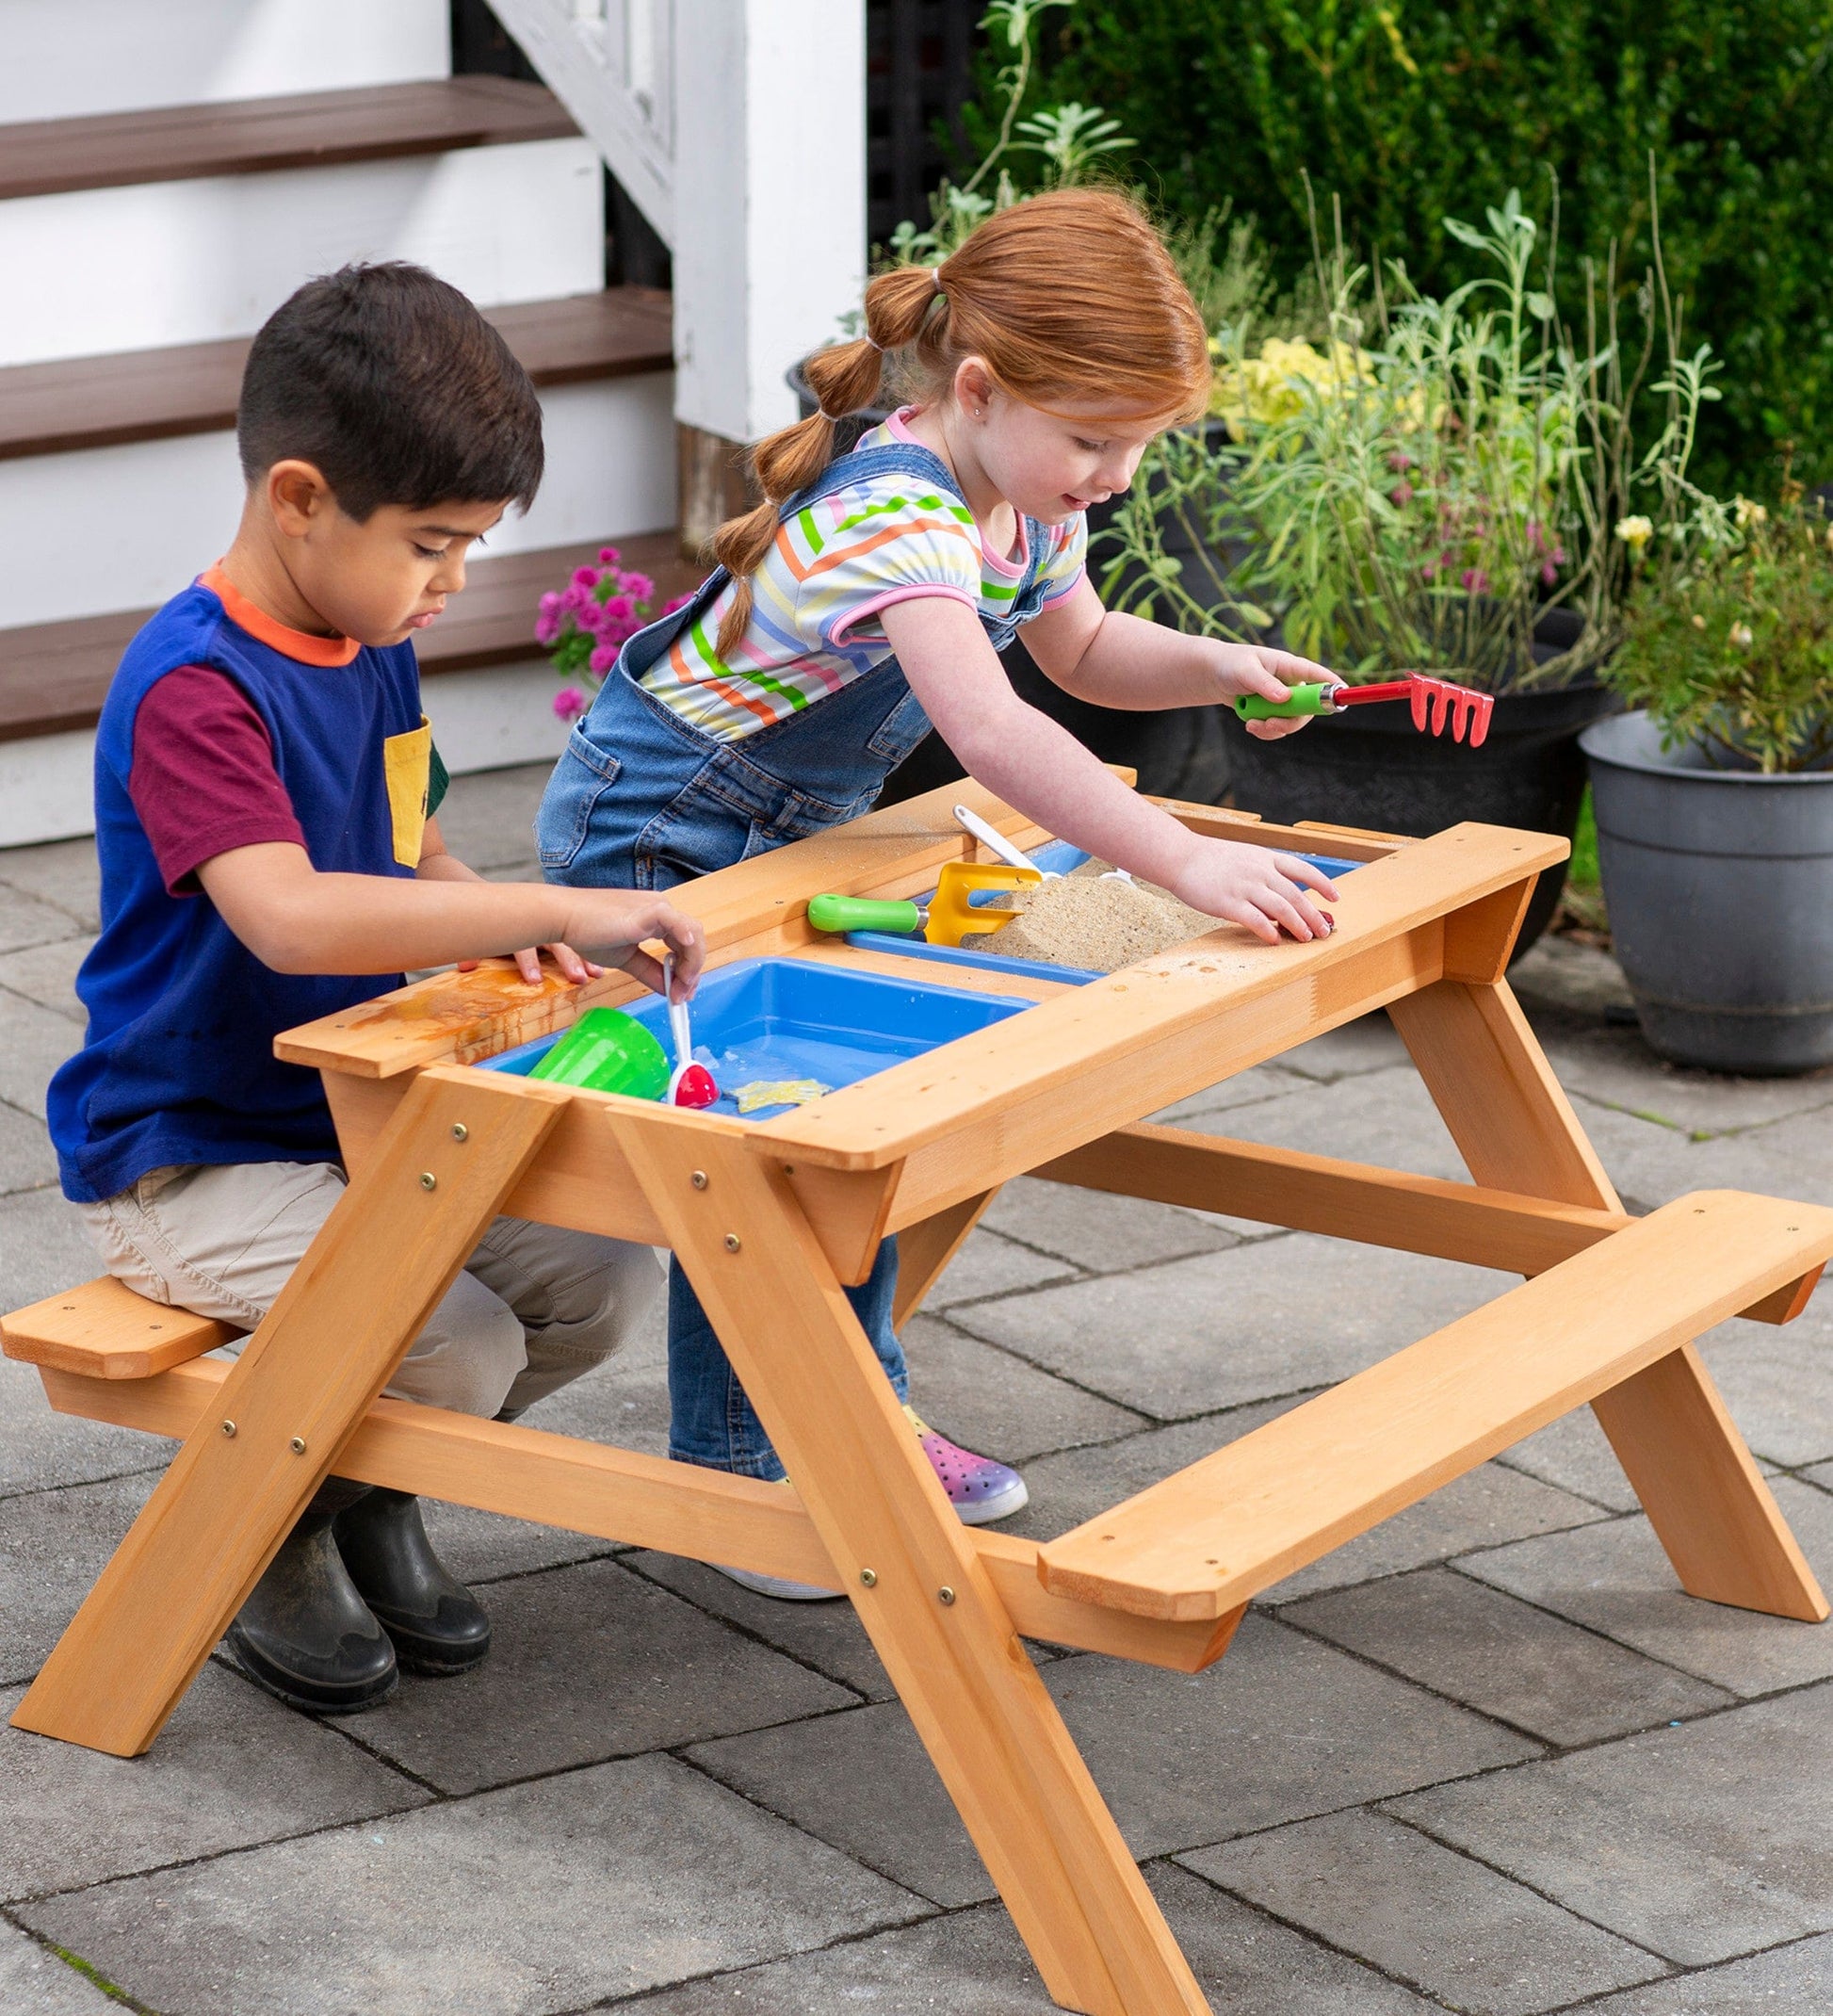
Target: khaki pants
[{"x": 534, "y": 1308}]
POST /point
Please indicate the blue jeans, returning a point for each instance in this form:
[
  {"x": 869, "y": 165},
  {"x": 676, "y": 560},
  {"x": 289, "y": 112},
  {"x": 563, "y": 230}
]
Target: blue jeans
[{"x": 642, "y": 800}]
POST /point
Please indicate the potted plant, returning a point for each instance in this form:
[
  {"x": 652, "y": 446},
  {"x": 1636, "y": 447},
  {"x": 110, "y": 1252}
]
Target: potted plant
[
  {"x": 583, "y": 626},
  {"x": 1714, "y": 797},
  {"x": 1434, "y": 486}
]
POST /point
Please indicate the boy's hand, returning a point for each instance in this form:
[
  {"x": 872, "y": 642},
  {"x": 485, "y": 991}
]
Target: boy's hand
[
  {"x": 528, "y": 962},
  {"x": 614, "y": 923},
  {"x": 1253, "y": 669},
  {"x": 1255, "y": 887}
]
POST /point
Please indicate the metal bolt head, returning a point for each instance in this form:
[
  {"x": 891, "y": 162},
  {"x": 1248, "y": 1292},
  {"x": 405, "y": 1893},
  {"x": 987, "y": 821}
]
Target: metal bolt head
[
  {"x": 870, "y": 1577},
  {"x": 459, "y": 1131},
  {"x": 298, "y": 1445},
  {"x": 945, "y": 1594},
  {"x": 698, "y": 1180},
  {"x": 429, "y": 1180},
  {"x": 229, "y": 1429},
  {"x": 733, "y": 1242}
]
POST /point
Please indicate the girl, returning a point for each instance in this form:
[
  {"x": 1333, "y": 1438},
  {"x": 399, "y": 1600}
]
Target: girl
[{"x": 867, "y": 600}]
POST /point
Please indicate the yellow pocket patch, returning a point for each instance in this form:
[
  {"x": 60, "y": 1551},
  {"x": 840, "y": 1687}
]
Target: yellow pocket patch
[{"x": 407, "y": 763}]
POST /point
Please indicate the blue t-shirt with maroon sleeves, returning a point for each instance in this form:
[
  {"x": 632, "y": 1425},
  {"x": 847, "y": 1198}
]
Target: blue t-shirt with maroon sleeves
[{"x": 178, "y": 1064}]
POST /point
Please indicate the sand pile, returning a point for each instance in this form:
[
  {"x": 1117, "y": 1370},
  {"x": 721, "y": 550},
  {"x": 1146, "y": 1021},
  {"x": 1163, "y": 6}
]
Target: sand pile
[{"x": 1093, "y": 923}]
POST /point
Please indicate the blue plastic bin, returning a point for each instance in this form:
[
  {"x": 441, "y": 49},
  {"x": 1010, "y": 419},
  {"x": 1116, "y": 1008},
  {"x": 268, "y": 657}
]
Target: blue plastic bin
[{"x": 777, "y": 1019}]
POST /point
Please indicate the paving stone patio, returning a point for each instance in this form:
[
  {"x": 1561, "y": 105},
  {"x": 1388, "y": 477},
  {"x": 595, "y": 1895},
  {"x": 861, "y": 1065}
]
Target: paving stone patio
[{"x": 1486, "y": 1758}]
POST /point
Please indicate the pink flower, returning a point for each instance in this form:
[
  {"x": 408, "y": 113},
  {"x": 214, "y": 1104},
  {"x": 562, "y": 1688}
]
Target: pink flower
[
  {"x": 547, "y": 622},
  {"x": 1476, "y": 582},
  {"x": 1402, "y": 494},
  {"x": 1430, "y": 570},
  {"x": 1398, "y": 461},
  {"x": 574, "y": 598},
  {"x": 1548, "y": 573},
  {"x": 608, "y": 555},
  {"x": 639, "y": 587},
  {"x": 585, "y": 577},
  {"x": 569, "y": 703},
  {"x": 603, "y": 659},
  {"x": 617, "y": 609},
  {"x": 676, "y": 602}
]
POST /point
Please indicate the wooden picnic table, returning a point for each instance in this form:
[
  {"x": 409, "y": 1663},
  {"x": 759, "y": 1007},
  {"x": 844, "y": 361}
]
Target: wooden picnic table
[{"x": 772, "y": 1218}]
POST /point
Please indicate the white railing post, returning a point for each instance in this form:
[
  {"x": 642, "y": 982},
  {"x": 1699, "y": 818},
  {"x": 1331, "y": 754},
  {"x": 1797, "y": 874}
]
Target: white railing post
[{"x": 770, "y": 212}]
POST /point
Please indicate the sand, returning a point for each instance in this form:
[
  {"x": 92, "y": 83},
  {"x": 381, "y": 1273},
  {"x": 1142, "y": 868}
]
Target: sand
[{"x": 1086, "y": 920}]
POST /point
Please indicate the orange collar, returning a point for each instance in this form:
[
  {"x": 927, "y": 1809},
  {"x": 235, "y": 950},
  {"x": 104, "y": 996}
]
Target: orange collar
[{"x": 299, "y": 645}]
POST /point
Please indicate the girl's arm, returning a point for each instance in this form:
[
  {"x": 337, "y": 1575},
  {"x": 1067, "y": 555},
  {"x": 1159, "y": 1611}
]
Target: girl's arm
[
  {"x": 1113, "y": 659},
  {"x": 1041, "y": 769}
]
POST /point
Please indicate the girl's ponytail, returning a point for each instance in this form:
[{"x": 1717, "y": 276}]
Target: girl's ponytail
[{"x": 844, "y": 377}]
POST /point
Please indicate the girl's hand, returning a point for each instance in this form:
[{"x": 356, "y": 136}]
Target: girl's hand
[
  {"x": 615, "y": 922},
  {"x": 1255, "y": 887},
  {"x": 1253, "y": 669}
]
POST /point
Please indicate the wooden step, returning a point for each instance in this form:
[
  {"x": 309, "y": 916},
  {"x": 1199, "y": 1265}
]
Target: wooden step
[
  {"x": 54, "y": 676},
  {"x": 191, "y": 388},
  {"x": 1211, "y": 1536},
  {"x": 252, "y": 136}
]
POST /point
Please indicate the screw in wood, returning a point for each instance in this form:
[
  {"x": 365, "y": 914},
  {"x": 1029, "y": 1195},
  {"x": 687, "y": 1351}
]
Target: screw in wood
[
  {"x": 698, "y": 1180},
  {"x": 733, "y": 1242},
  {"x": 228, "y": 1428},
  {"x": 946, "y": 1594},
  {"x": 459, "y": 1131},
  {"x": 429, "y": 1180},
  {"x": 870, "y": 1577},
  {"x": 298, "y": 1445}
]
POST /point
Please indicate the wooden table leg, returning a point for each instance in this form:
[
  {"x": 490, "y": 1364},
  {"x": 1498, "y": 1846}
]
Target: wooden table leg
[
  {"x": 392, "y": 1245},
  {"x": 925, "y": 1249},
  {"x": 1094, "y": 1929},
  {"x": 1714, "y": 1515}
]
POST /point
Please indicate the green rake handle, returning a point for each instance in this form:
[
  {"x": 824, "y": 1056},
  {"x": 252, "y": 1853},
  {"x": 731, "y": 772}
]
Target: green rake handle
[
  {"x": 1308, "y": 699},
  {"x": 860, "y": 913}
]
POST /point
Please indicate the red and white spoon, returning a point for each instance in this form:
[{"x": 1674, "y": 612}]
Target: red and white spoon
[{"x": 689, "y": 1083}]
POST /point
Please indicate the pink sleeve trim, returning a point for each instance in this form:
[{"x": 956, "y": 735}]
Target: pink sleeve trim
[
  {"x": 1068, "y": 588},
  {"x": 836, "y": 632}
]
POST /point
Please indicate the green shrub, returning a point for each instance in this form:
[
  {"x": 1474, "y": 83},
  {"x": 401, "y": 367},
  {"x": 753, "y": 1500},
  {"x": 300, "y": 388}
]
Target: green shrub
[
  {"x": 1412, "y": 113},
  {"x": 1737, "y": 656}
]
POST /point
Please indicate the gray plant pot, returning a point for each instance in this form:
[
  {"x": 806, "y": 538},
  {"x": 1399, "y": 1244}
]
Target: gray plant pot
[{"x": 1719, "y": 885}]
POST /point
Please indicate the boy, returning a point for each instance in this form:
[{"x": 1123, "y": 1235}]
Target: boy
[{"x": 266, "y": 785}]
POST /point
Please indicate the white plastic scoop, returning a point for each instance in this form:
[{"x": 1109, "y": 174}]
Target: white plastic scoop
[{"x": 990, "y": 837}]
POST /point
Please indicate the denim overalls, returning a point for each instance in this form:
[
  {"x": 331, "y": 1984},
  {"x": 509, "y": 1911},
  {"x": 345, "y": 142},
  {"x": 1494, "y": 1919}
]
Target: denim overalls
[{"x": 643, "y": 800}]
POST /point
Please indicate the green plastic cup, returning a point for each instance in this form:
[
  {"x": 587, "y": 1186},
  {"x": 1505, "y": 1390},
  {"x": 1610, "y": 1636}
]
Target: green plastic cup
[{"x": 607, "y": 1050}]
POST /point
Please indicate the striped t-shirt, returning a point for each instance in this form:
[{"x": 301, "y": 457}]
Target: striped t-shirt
[{"x": 834, "y": 566}]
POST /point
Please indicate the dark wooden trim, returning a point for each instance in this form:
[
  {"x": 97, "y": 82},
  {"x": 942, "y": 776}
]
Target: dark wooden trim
[
  {"x": 251, "y": 136},
  {"x": 54, "y": 675},
  {"x": 191, "y": 388}
]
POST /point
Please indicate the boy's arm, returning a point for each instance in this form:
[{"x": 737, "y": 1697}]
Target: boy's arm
[
  {"x": 1037, "y": 765},
  {"x": 1112, "y": 659},
  {"x": 298, "y": 920},
  {"x": 438, "y": 864}
]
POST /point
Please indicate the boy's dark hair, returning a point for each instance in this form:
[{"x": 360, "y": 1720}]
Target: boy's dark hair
[{"x": 393, "y": 385}]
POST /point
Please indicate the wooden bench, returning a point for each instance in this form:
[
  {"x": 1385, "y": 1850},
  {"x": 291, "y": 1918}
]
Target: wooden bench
[{"x": 771, "y": 1219}]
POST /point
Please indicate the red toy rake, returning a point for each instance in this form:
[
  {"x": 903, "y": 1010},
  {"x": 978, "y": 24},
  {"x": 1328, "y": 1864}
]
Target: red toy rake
[{"x": 1436, "y": 704}]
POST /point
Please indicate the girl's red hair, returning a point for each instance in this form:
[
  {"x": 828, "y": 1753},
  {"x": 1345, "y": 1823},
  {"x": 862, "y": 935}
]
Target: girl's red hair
[{"x": 1070, "y": 299}]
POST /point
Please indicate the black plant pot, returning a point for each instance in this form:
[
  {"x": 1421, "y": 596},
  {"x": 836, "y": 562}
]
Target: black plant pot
[
  {"x": 1369, "y": 766},
  {"x": 1179, "y": 752}
]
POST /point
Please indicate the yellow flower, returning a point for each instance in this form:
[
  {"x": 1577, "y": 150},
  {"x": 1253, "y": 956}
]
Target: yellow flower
[
  {"x": 1271, "y": 386},
  {"x": 1743, "y": 636},
  {"x": 1699, "y": 623},
  {"x": 1635, "y": 533},
  {"x": 1748, "y": 514}
]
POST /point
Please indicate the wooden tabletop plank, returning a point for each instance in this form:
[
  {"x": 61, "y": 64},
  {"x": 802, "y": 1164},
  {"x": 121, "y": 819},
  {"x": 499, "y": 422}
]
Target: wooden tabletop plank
[
  {"x": 191, "y": 388},
  {"x": 250, "y": 136},
  {"x": 1216, "y": 1533}
]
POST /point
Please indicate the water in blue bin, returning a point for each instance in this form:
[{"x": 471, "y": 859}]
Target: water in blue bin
[{"x": 783, "y": 1018}]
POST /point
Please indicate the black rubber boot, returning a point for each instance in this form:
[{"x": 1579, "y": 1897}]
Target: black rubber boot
[
  {"x": 437, "y": 1625},
  {"x": 305, "y": 1633}
]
